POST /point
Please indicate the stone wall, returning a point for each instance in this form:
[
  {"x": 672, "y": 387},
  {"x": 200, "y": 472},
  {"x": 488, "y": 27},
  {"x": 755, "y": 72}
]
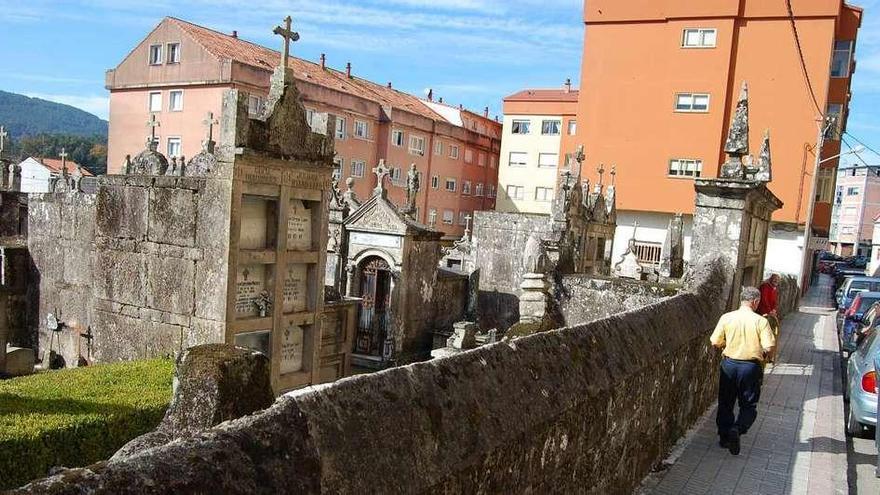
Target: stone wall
[
  {"x": 61, "y": 239},
  {"x": 585, "y": 409},
  {"x": 499, "y": 240},
  {"x": 583, "y": 298}
]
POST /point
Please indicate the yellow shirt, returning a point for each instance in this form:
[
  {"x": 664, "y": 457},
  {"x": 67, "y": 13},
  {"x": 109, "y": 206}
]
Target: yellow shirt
[{"x": 744, "y": 334}]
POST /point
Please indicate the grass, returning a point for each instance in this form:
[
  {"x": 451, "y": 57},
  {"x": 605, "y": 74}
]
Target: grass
[{"x": 78, "y": 416}]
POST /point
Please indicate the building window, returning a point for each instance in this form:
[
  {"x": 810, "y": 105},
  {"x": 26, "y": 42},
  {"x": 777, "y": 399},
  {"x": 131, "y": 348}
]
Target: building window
[
  {"x": 155, "y": 54},
  {"x": 550, "y": 127},
  {"x": 466, "y": 187},
  {"x": 850, "y": 211},
  {"x": 699, "y": 38},
  {"x": 853, "y": 191},
  {"x": 842, "y": 59},
  {"x": 448, "y": 217},
  {"x": 548, "y": 160},
  {"x": 648, "y": 253},
  {"x": 481, "y": 159},
  {"x": 361, "y": 129},
  {"x": 175, "y": 100},
  {"x": 338, "y": 163},
  {"x": 847, "y": 230},
  {"x": 478, "y": 189},
  {"x": 357, "y": 168},
  {"x": 438, "y": 148},
  {"x": 155, "y": 101},
  {"x": 395, "y": 175},
  {"x": 516, "y": 192},
  {"x": 174, "y": 146},
  {"x": 468, "y": 155},
  {"x": 835, "y": 111},
  {"x": 340, "y": 128},
  {"x": 493, "y": 162},
  {"x": 692, "y": 102},
  {"x": 685, "y": 168},
  {"x": 464, "y": 217},
  {"x": 432, "y": 216},
  {"x": 543, "y": 194},
  {"x": 310, "y": 116},
  {"x": 491, "y": 191},
  {"x": 173, "y": 53},
  {"x": 435, "y": 182},
  {"x": 451, "y": 185},
  {"x": 518, "y": 159},
  {"x": 453, "y": 152},
  {"x": 397, "y": 138},
  {"x": 255, "y": 105},
  {"x": 572, "y": 127},
  {"x": 825, "y": 186},
  {"x": 417, "y": 145},
  {"x": 520, "y": 127}
]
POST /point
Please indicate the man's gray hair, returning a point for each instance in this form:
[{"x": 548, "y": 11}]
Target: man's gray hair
[{"x": 750, "y": 294}]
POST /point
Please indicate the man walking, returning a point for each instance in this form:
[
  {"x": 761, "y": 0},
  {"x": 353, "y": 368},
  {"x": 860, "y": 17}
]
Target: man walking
[{"x": 746, "y": 340}]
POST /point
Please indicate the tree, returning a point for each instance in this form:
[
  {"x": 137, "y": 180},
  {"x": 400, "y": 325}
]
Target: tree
[{"x": 88, "y": 151}]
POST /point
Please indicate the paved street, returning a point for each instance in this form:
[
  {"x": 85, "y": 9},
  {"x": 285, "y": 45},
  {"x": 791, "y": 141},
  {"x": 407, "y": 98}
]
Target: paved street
[{"x": 797, "y": 445}]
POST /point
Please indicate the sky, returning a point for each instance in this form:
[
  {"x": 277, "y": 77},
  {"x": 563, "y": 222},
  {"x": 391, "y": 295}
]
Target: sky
[{"x": 473, "y": 52}]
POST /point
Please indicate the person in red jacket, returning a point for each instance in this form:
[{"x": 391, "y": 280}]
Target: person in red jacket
[{"x": 768, "y": 307}]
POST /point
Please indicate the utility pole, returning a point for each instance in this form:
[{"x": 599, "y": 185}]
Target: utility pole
[{"x": 825, "y": 124}]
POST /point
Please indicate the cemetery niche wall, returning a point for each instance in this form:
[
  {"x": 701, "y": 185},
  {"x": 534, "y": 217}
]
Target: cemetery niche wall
[{"x": 228, "y": 246}]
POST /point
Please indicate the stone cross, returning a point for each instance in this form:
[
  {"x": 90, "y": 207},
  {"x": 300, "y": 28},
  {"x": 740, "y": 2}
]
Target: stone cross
[
  {"x": 288, "y": 35},
  {"x": 467, "y": 224},
  {"x": 601, "y": 170},
  {"x": 613, "y": 174},
  {"x": 208, "y": 143},
  {"x": 152, "y": 124},
  {"x": 63, "y": 156},
  {"x": 566, "y": 180},
  {"x": 432, "y": 218},
  {"x": 579, "y": 156},
  {"x": 381, "y": 172},
  {"x": 3, "y": 135}
]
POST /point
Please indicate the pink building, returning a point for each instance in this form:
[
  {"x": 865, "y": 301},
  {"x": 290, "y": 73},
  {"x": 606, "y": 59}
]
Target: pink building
[
  {"x": 180, "y": 71},
  {"x": 856, "y": 205}
]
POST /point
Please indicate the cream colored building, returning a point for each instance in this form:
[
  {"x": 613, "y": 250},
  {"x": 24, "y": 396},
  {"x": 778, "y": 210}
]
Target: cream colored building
[{"x": 539, "y": 130}]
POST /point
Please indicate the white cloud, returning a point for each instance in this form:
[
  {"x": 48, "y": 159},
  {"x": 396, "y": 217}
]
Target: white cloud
[{"x": 95, "y": 105}]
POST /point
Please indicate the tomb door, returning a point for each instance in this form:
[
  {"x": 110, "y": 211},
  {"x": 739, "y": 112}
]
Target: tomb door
[{"x": 373, "y": 320}]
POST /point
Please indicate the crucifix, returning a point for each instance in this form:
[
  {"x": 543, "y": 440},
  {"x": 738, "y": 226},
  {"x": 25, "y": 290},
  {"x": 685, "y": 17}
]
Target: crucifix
[
  {"x": 288, "y": 35},
  {"x": 381, "y": 172},
  {"x": 566, "y": 181},
  {"x": 467, "y": 224},
  {"x": 601, "y": 170},
  {"x": 152, "y": 124},
  {"x": 63, "y": 156},
  {"x": 3, "y": 135},
  {"x": 208, "y": 143},
  {"x": 579, "y": 156}
]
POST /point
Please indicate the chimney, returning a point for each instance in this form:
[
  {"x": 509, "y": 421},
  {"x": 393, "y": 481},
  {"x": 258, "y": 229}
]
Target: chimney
[
  {"x": 235, "y": 34},
  {"x": 348, "y": 70},
  {"x": 568, "y": 85},
  {"x": 441, "y": 99},
  {"x": 486, "y": 112},
  {"x": 389, "y": 84},
  {"x": 430, "y": 94},
  {"x": 323, "y": 61},
  {"x": 460, "y": 106}
]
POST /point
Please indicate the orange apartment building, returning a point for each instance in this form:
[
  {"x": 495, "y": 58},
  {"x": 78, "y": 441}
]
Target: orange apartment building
[
  {"x": 660, "y": 79},
  {"x": 539, "y": 129},
  {"x": 180, "y": 71}
]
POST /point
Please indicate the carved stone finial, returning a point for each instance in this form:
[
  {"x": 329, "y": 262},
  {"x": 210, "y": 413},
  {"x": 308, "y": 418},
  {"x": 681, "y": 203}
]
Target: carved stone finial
[
  {"x": 737, "y": 144},
  {"x": 209, "y": 122},
  {"x": 613, "y": 175},
  {"x": 349, "y": 195},
  {"x": 381, "y": 172},
  {"x": 764, "y": 171},
  {"x": 535, "y": 259}
]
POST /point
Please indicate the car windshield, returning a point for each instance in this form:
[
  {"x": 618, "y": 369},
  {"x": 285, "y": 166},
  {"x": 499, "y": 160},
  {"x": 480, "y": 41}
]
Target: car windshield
[{"x": 862, "y": 286}]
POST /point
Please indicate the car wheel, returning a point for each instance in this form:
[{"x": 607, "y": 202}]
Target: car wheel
[{"x": 853, "y": 427}]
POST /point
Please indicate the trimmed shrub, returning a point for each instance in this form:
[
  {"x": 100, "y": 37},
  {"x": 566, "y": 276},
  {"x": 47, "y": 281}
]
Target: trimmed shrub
[{"x": 77, "y": 416}]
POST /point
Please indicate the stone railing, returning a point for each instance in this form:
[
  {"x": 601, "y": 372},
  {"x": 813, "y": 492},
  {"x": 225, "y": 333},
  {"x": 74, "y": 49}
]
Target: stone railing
[{"x": 585, "y": 409}]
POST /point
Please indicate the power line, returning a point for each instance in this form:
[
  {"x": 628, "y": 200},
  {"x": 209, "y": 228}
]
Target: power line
[
  {"x": 797, "y": 41},
  {"x": 858, "y": 155},
  {"x": 872, "y": 150}
]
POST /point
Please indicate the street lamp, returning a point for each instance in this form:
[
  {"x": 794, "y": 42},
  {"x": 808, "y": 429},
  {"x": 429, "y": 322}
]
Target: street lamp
[{"x": 853, "y": 151}]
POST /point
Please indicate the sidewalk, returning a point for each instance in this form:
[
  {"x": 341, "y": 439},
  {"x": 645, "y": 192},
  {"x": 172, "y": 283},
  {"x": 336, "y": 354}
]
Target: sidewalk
[{"x": 797, "y": 445}]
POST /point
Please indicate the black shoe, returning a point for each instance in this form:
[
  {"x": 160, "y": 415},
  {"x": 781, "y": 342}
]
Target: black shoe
[
  {"x": 733, "y": 441},
  {"x": 723, "y": 443}
]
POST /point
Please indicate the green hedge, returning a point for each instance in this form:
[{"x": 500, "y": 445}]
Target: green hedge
[{"x": 78, "y": 416}]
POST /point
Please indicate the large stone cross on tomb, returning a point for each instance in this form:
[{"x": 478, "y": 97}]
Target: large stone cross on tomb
[
  {"x": 289, "y": 35},
  {"x": 63, "y": 156},
  {"x": 381, "y": 172},
  {"x": 209, "y": 122},
  {"x": 152, "y": 124}
]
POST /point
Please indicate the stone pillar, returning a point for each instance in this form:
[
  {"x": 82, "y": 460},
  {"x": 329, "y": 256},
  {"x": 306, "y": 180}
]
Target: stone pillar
[{"x": 732, "y": 219}]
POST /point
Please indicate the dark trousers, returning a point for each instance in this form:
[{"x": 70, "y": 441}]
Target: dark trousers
[{"x": 739, "y": 381}]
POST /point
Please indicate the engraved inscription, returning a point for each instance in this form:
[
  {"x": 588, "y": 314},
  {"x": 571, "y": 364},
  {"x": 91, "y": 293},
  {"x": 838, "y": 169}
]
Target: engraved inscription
[
  {"x": 299, "y": 227},
  {"x": 292, "y": 349},
  {"x": 295, "y": 288},
  {"x": 250, "y": 281},
  {"x": 302, "y": 179}
]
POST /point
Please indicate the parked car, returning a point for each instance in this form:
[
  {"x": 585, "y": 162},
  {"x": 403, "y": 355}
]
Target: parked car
[
  {"x": 852, "y": 286},
  {"x": 862, "y": 315},
  {"x": 861, "y": 385}
]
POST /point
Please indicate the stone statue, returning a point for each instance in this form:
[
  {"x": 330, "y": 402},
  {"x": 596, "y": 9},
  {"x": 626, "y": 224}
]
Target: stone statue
[
  {"x": 535, "y": 259},
  {"x": 412, "y": 188},
  {"x": 349, "y": 195}
]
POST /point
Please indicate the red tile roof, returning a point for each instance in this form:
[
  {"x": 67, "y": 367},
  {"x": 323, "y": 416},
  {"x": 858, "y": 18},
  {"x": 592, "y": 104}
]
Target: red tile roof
[
  {"x": 544, "y": 95},
  {"x": 54, "y": 165},
  {"x": 224, "y": 46}
]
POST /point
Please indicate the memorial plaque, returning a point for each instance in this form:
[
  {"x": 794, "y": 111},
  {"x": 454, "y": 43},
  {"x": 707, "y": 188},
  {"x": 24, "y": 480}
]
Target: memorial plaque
[
  {"x": 292, "y": 349},
  {"x": 299, "y": 227},
  {"x": 257, "y": 222},
  {"x": 381, "y": 240},
  {"x": 295, "y": 288},
  {"x": 251, "y": 281},
  {"x": 259, "y": 341}
]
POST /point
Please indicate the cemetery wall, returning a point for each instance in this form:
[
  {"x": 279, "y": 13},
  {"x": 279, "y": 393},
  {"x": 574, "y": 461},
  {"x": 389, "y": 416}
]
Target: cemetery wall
[
  {"x": 415, "y": 301},
  {"x": 161, "y": 243},
  {"x": 499, "y": 242},
  {"x": 450, "y": 299},
  {"x": 584, "y": 298},
  {"x": 497, "y": 419},
  {"x": 61, "y": 238}
]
